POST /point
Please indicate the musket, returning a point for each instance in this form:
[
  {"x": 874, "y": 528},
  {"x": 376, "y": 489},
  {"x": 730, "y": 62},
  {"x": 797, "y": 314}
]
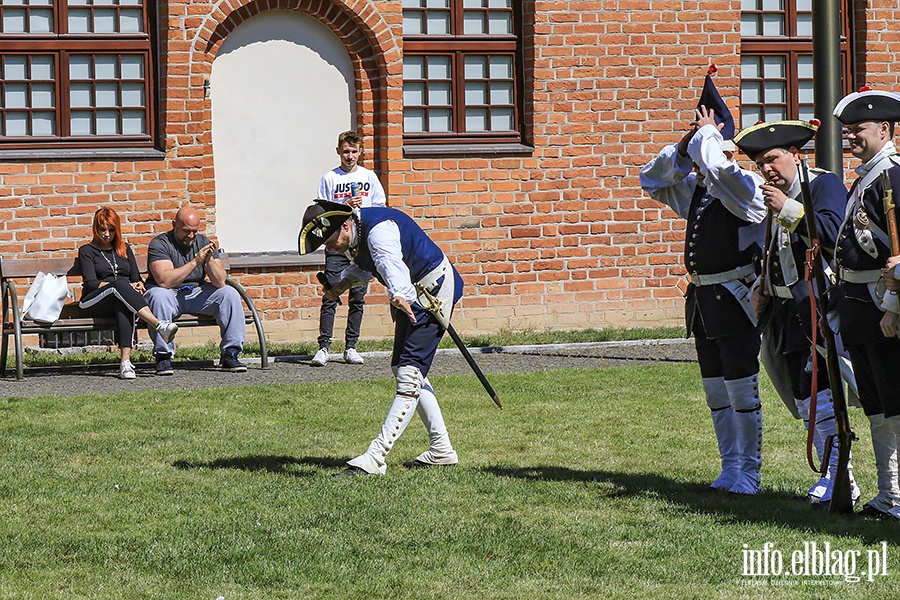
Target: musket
[
  {"x": 841, "y": 497},
  {"x": 889, "y": 207}
]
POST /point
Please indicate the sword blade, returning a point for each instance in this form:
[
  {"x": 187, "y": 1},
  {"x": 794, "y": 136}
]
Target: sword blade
[{"x": 474, "y": 366}]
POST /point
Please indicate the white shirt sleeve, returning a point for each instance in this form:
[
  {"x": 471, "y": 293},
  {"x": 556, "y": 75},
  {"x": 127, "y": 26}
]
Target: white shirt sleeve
[
  {"x": 326, "y": 188},
  {"x": 736, "y": 188},
  {"x": 668, "y": 179},
  {"x": 384, "y": 244},
  {"x": 376, "y": 195}
]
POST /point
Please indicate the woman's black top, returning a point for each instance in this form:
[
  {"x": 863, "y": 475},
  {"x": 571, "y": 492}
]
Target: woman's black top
[{"x": 98, "y": 266}]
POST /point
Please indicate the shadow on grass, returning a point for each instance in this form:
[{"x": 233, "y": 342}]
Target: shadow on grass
[
  {"x": 769, "y": 506},
  {"x": 282, "y": 465}
]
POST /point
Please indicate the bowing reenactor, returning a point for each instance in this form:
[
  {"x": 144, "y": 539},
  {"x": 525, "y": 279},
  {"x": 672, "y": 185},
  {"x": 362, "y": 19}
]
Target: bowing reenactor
[
  {"x": 869, "y": 320},
  {"x": 781, "y": 297},
  {"x": 723, "y": 205}
]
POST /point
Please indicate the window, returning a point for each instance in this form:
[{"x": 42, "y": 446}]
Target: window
[
  {"x": 461, "y": 71},
  {"x": 776, "y": 59},
  {"x": 75, "y": 73}
]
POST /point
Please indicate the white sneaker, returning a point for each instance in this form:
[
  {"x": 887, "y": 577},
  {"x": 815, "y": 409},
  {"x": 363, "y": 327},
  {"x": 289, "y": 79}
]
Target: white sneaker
[
  {"x": 167, "y": 330},
  {"x": 352, "y": 357},
  {"x": 320, "y": 358},
  {"x": 126, "y": 370}
]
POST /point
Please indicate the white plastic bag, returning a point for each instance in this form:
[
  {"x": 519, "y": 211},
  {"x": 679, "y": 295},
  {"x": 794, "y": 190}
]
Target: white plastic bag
[{"x": 45, "y": 298}]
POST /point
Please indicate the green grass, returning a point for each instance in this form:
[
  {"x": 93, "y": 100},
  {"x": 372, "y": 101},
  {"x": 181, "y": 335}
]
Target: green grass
[
  {"x": 591, "y": 483},
  {"x": 210, "y": 350}
]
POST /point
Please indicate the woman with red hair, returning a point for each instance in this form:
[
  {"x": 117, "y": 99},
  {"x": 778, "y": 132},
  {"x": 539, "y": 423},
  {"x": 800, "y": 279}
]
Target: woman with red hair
[{"x": 112, "y": 286}]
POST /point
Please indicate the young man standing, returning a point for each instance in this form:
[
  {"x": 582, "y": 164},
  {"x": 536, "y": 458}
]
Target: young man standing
[
  {"x": 783, "y": 294},
  {"x": 357, "y": 187},
  {"x": 869, "y": 321}
]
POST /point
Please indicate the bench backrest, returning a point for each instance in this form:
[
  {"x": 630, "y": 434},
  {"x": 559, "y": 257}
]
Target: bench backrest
[{"x": 17, "y": 268}]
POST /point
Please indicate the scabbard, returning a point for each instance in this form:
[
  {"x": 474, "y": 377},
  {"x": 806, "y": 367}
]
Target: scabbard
[{"x": 473, "y": 365}]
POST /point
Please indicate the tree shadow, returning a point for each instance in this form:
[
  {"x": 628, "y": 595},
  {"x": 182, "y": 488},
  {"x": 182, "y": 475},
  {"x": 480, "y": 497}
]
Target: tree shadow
[
  {"x": 279, "y": 465},
  {"x": 781, "y": 508}
]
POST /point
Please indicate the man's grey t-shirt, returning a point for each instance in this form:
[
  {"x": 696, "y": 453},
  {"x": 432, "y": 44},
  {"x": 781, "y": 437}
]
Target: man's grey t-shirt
[{"x": 164, "y": 247}]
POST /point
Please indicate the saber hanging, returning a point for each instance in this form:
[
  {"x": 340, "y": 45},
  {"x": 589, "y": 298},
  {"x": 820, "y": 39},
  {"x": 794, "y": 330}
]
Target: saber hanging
[{"x": 434, "y": 308}]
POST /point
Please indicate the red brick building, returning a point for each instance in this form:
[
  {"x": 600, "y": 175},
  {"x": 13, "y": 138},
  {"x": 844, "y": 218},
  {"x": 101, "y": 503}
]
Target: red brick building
[{"x": 512, "y": 130}]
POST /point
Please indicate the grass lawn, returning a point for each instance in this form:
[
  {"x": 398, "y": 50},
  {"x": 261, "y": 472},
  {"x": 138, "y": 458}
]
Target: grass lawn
[{"x": 592, "y": 483}]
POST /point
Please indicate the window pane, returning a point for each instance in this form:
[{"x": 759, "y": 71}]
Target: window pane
[
  {"x": 81, "y": 123},
  {"x": 414, "y": 120},
  {"x": 414, "y": 94},
  {"x": 79, "y": 20},
  {"x": 80, "y": 95},
  {"x": 438, "y": 23},
  {"x": 16, "y": 123},
  {"x": 414, "y": 67},
  {"x": 476, "y": 93},
  {"x": 499, "y": 4},
  {"x": 437, "y": 3},
  {"x": 773, "y": 4},
  {"x": 14, "y": 21},
  {"x": 750, "y": 67},
  {"x": 413, "y": 3},
  {"x": 502, "y": 119},
  {"x": 413, "y": 23},
  {"x": 804, "y": 25},
  {"x": 15, "y": 67},
  {"x": 807, "y": 113},
  {"x": 502, "y": 93},
  {"x": 16, "y": 96},
  {"x": 501, "y": 67},
  {"x": 133, "y": 122},
  {"x": 476, "y": 119},
  {"x": 773, "y": 25},
  {"x": 750, "y": 25},
  {"x": 476, "y": 67},
  {"x": 105, "y": 20},
  {"x": 804, "y": 5},
  {"x": 750, "y": 116},
  {"x": 131, "y": 20},
  {"x": 500, "y": 23},
  {"x": 775, "y": 92},
  {"x": 439, "y": 94},
  {"x": 439, "y": 120},
  {"x": 776, "y": 113},
  {"x": 473, "y": 3},
  {"x": 473, "y": 23},
  {"x": 132, "y": 67},
  {"x": 133, "y": 94},
  {"x": 439, "y": 67},
  {"x": 41, "y": 20},
  {"x": 42, "y": 67},
  {"x": 105, "y": 67},
  {"x": 79, "y": 67},
  {"x": 42, "y": 95},
  {"x": 805, "y": 66},
  {"x": 773, "y": 67},
  {"x": 750, "y": 93},
  {"x": 107, "y": 94},
  {"x": 43, "y": 123},
  {"x": 107, "y": 122},
  {"x": 805, "y": 92}
]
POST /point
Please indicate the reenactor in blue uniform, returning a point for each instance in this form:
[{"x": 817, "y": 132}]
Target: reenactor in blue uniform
[
  {"x": 781, "y": 298},
  {"x": 869, "y": 320},
  {"x": 724, "y": 209},
  {"x": 387, "y": 244}
]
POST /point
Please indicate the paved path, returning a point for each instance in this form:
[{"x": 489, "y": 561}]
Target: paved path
[{"x": 506, "y": 359}]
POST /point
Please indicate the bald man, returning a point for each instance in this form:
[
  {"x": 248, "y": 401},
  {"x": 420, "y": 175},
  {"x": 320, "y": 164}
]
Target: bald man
[{"x": 186, "y": 276}]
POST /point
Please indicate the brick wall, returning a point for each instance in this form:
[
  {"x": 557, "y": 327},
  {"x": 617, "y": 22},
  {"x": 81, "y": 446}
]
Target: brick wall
[{"x": 562, "y": 238}]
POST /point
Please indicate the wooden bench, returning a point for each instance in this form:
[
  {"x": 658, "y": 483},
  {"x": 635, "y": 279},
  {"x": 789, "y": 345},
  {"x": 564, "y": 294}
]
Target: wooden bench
[{"x": 22, "y": 271}]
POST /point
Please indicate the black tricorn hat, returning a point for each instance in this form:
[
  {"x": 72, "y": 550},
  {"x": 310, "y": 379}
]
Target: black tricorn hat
[
  {"x": 777, "y": 134},
  {"x": 868, "y": 105},
  {"x": 712, "y": 100},
  {"x": 320, "y": 221}
]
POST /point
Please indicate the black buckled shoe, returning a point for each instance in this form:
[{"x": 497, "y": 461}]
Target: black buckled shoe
[{"x": 352, "y": 471}]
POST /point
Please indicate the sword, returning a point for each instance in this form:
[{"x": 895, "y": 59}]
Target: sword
[{"x": 433, "y": 308}]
